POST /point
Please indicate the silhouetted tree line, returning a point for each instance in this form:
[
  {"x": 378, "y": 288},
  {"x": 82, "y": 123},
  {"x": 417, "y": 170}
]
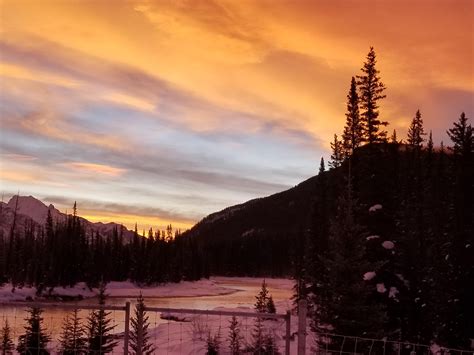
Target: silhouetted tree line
[
  {"x": 62, "y": 253},
  {"x": 389, "y": 249}
]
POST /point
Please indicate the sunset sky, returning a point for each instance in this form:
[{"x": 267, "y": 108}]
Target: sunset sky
[{"x": 165, "y": 111}]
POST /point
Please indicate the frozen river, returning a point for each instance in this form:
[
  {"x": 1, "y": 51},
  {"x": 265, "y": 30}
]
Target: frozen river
[{"x": 241, "y": 294}]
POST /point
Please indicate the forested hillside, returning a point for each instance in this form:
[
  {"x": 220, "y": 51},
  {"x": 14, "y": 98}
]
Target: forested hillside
[{"x": 255, "y": 238}]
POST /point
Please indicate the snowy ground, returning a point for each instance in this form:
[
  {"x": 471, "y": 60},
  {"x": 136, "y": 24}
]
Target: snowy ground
[
  {"x": 212, "y": 287},
  {"x": 190, "y": 337},
  {"x": 121, "y": 289}
]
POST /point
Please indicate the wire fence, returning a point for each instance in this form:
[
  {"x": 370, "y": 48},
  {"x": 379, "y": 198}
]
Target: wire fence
[
  {"x": 170, "y": 331},
  {"x": 185, "y": 331},
  {"x": 327, "y": 343},
  {"x": 192, "y": 331}
]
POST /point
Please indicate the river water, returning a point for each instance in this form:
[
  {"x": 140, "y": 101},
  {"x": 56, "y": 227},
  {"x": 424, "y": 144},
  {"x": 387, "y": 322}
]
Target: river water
[{"x": 243, "y": 298}]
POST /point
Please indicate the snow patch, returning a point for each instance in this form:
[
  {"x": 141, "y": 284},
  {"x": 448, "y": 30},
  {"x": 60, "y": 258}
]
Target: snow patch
[
  {"x": 372, "y": 237},
  {"x": 381, "y": 288},
  {"x": 33, "y": 208},
  {"x": 8, "y": 293},
  {"x": 225, "y": 213},
  {"x": 393, "y": 292},
  {"x": 375, "y": 208},
  {"x": 387, "y": 244},
  {"x": 369, "y": 275},
  {"x": 176, "y": 317},
  {"x": 182, "y": 289},
  {"x": 251, "y": 232},
  {"x": 436, "y": 349},
  {"x": 401, "y": 278}
]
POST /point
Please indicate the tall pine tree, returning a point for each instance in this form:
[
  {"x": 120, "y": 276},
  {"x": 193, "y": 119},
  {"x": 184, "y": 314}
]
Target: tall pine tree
[
  {"x": 371, "y": 91},
  {"x": 461, "y": 135},
  {"x": 6, "y": 342},
  {"x": 337, "y": 156},
  {"x": 235, "y": 338},
  {"x": 35, "y": 339},
  {"x": 393, "y": 137},
  {"x": 430, "y": 145},
  {"x": 139, "y": 339},
  {"x": 353, "y": 130},
  {"x": 72, "y": 340},
  {"x": 416, "y": 132},
  {"x": 262, "y": 299},
  {"x": 99, "y": 328}
]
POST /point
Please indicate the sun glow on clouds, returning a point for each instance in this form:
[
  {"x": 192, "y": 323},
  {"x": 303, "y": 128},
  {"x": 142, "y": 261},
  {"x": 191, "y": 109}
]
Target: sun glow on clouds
[
  {"x": 18, "y": 176},
  {"x": 131, "y": 101},
  {"x": 129, "y": 220},
  {"x": 50, "y": 124},
  {"x": 18, "y": 72},
  {"x": 95, "y": 168},
  {"x": 233, "y": 98}
]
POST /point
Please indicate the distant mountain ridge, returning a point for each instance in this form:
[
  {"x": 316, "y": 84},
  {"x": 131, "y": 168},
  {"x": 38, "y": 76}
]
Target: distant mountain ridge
[
  {"x": 283, "y": 211},
  {"x": 32, "y": 210}
]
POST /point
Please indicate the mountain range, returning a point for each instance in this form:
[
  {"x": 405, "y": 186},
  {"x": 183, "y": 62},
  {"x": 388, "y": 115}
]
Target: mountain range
[{"x": 30, "y": 210}]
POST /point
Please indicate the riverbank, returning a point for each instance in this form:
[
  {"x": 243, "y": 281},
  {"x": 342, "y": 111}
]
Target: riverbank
[
  {"x": 214, "y": 286},
  {"x": 116, "y": 289}
]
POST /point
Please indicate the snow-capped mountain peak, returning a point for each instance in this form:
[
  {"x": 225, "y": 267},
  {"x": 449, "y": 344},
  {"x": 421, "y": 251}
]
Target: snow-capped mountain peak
[{"x": 33, "y": 208}]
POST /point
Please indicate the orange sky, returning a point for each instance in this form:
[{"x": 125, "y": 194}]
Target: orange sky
[{"x": 190, "y": 106}]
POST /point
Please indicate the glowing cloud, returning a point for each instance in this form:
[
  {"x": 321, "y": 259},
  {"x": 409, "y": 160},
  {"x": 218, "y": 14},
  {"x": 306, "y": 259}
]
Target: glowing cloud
[
  {"x": 18, "y": 72},
  {"x": 18, "y": 176},
  {"x": 95, "y": 168},
  {"x": 131, "y": 101}
]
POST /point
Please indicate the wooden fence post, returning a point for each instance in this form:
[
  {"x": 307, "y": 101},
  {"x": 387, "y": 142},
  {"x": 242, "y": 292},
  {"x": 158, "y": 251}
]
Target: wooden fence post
[
  {"x": 127, "y": 328},
  {"x": 302, "y": 311},
  {"x": 288, "y": 332}
]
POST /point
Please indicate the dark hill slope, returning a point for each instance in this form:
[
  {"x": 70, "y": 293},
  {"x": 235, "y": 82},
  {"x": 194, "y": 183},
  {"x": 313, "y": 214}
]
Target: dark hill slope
[
  {"x": 282, "y": 212},
  {"x": 258, "y": 236}
]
